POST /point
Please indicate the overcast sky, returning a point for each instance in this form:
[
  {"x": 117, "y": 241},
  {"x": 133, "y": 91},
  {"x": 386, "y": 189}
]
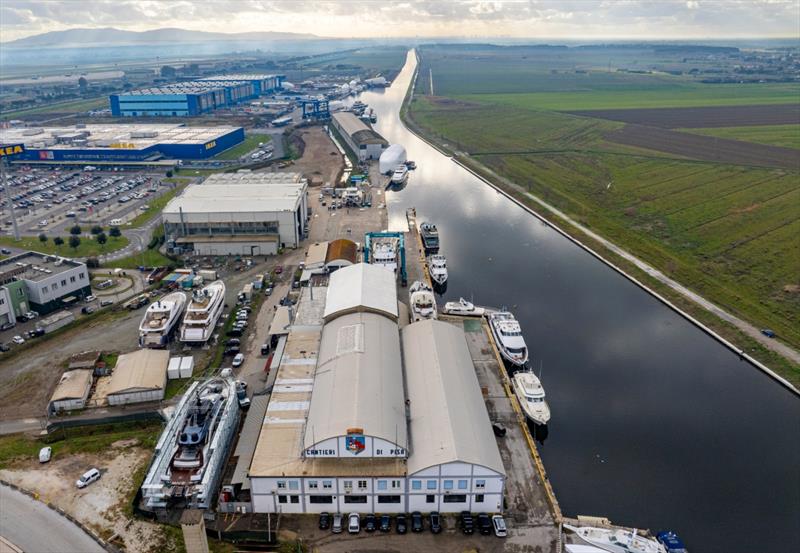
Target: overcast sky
[{"x": 538, "y": 19}]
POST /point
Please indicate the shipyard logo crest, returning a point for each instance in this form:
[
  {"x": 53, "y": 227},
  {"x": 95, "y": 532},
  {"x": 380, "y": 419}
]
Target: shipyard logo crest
[{"x": 355, "y": 442}]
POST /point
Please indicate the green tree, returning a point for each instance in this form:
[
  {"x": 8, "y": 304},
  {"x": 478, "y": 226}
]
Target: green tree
[
  {"x": 97, "y": 229},
  {"x": 74, "y": 242},
  {"x": 169, "y": 174},
  {"x": 115, "y": 232},
  {"x": 102, "y": 239},
  {"x": 75, "y": 230},
  {"x": 43, "y": 238},
  {"x": 58, "y": 241}
]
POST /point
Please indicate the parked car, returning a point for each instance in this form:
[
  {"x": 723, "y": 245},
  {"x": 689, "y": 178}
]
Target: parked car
[
  {"x": 401, "y": 526},
  {"x": 4, "y": 347},
  {"x": 8, "y": 326},
  {"x": 324, "y": 521},
  {"x": 5, "y": 251},
  {"x": 337, "y": 524},
  {"x": 19, "y": 340},
  {"x": 105, "y": 303},
  {"x": 499, "y": 525},
  {"x": 385, "y": 523},
  {"x": 467, "y": 523},
  {"x": 88, "y": 477},
  {"x": 484, "y": 524},
  {"x": 87, "y": 310},
  {"x": 278, "y": 269},
  {"x": 265, "y": 349},
  {"x": 232, "y": 342},
  {"x": 30, "y": 315},
  {"x": 416, "y": 522},
  {"x": 45, "y": 454},
  {"x": 268, "y": 291},
  {"x": 234, "y": 332},
  {"x": 354, "y": 523},
  {"x": 90, "y": 298},
  {"x": 370, "y": 523},
  {"x": 231, "y": 351},
  {"x": 435, "y": 522},
  {"x": 238, "y": 360}
]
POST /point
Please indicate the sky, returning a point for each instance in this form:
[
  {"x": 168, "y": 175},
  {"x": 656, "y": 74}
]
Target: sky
[{"x": 537, "y": 19}]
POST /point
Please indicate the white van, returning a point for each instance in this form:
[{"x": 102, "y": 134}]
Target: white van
[{"x": 88, "y": 477}]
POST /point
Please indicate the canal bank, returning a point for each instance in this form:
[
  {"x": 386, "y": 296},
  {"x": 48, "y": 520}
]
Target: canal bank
[{"x": 649, "y": 413}]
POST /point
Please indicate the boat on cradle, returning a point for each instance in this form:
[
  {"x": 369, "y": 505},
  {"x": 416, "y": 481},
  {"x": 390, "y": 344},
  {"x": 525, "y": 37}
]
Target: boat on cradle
[
  {"x": 616, "y": 540},
  {"x": 203, "y": 313},
  {"x": 463, "y": 308},
  {"x": 385, "y": 254},
  {"x": 400, "y": 174},
  {"x": 160, "y": 319},
  {"x": 437, "y": 268},
  {"x": 530, "y": 395},
  {"x": 421, "y": 301},
  {"x": 671, "y": 542},
  {"x": 430, "y": 236},
  {"x": 508, "y": 336}
]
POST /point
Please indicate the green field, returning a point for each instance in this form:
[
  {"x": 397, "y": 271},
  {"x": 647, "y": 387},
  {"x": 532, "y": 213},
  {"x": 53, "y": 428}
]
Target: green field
[
  {"x": 250, "y": 142},
  {"x": 62, "y": 107},
  {"x": 87, "y": 248},
  {"x": 728, "y": 232},
  {"x": 787, "y": 136}
]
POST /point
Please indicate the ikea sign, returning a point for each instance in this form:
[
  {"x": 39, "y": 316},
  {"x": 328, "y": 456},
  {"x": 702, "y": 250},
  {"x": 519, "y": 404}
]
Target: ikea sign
[
  {"x": 211, "y": 144},
  {"x": 11, "y": 149}
]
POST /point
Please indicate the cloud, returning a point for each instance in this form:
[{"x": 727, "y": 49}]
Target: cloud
[{"x": 537, "y": 19}]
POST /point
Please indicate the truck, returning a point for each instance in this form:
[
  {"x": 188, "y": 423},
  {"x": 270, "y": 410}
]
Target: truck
[{"x": 136, "y": 303}]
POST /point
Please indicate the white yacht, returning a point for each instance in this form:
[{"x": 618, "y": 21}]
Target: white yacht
[
  {"x": 508, "y": 336},
  {"x": 530, "y": 394},
  {"x": 437, "y": 268},
  {"x": 400, "y": 174},
  {"x": 615, "y": 540},
  {"x": 203, "y": 313},
  {"x": 385, "y": 254},
  {"x": 159, "y": 320},
  {"x": 422, "y": 302},
  {"x": 464, "y": 308}
]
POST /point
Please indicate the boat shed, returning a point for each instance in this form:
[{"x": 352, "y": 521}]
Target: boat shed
[
  {"x": 71, "y": 392},
  {"x": 361, "y": 288},
  {"x": 453, "y": 446},
  {"x": 360, "y": 137},
  {"x": 341, "y": 253},
  {"x": 138, "y": 377}
]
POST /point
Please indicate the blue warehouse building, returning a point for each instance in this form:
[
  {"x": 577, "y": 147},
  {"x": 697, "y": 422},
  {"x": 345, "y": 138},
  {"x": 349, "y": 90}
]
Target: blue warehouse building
[
  {"x": 193, "y": 98},
  {"x": 120, "y": 142}
]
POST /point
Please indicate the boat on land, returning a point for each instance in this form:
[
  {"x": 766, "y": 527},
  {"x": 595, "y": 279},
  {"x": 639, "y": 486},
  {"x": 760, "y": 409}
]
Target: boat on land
[
  {"x": 199, "y": 423},
  {"x": 203, "y": 313},
  {"x": 463, "y": 308},
  {"x": 430, "y": 236},
  {"x": 508, "y": 336},
  {"x": 530, "y": 395},
  {"x": 160, "y": 319},
  {"x": 437, "y": 268},
  {"x": 616, "y": 540},
  {"x": 385, "y": 254},
  {"x": 671, "y": 542},
  {"x": 421, "y": 301},
  {"x": 400, "y": 174}
]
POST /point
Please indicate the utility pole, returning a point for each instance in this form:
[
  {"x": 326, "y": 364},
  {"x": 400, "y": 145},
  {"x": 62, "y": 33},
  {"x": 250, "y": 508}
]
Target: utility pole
[{"x": 8, "y": 197}]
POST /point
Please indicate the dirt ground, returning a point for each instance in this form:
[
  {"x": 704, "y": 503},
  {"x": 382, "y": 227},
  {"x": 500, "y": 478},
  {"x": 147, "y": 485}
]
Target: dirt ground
[
  {"x": 701, "y": 117},
  {"x": 100, "y": 505},
  {"x": 321, "y": 161}
]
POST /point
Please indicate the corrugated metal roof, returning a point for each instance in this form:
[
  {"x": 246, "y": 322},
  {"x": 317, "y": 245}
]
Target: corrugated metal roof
[
  {"x": 145, "y": 369},
  {"x": 243, "y": 197},
  {"x": 248, "y": 438},
  {"x": 359, "y": 381},
  {"x": 349, "y": 123},
  {"x": 449, "y": 421},
  {"x": 361, "y": 287},
  {"x": 73, "y": 385},
  {"x": 316, "y": 255},
  {"x": 280, "y": 322}
]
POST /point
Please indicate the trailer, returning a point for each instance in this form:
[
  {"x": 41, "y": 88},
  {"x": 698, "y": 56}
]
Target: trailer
[{"x": 55, "y": 321}]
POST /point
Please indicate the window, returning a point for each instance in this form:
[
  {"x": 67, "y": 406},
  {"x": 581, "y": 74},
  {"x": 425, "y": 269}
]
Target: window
[
  {"x": 281, "y": 484},
  {"x": 395, "y": 484},
  {"x": 355, "y": 499},
  {"x": 326, "y": 484},
  {"x": 462, "y": 484},
  {"x": 431, "y": 484},
  {"x": 448, "y": 484},
  {"x": 457, "y": 498},
  {"x": 72, "y": 279},
  {"x": 320, "y": 499},
  {"x": 388, "y": 499},
  {"x": 430, "y": 499},
  {"x": 81, "y": 276},
  {"x": 416, "y": 484},
  {"x": 295, "y": 498},
  {"x": 55, "y": 286},
  {"x": 480, "y": 484},
  {"x": 281, "y": 499},
  {"x": 63, "y": 282},
  {"x": 44, "y": 289},
  {"x": 478, "y": 498},
  {"x": 2, "y": 301},
  {"x": 382, "y": 485},
  {"x": 312, "y": 485},
  {"x": 362, "y": 484},
  {"x": 20, "y": 292},
  {"x": 293, "y": 485},
  {"x": 348, "y": 485}
]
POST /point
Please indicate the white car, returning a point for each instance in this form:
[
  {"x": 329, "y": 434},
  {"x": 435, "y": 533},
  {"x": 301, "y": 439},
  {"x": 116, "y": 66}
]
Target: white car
[
  {"x": 354, "y": 523},
  {"x": 30, "y": 315},
  {"x": 238, "y": 360},
  {"x": 499, "y": 525},
  {"x": 88, "y": 477},
  {"x": 90, "y": 298},
  {"x": 19, "y": 340},
  {"x": 45, "y": 453}
]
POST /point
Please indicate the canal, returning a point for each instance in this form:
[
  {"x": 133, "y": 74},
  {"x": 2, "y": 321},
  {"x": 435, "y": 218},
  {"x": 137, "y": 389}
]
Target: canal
[{"x": 654, "y": 423}]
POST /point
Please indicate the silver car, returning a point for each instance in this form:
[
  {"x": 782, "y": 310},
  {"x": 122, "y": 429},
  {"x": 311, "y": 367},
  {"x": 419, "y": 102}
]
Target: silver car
[{"x": 337, "y": 523}]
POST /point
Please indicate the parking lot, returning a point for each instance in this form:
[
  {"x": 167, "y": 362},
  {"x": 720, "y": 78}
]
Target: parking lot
[{"x": 51, "y": 201}]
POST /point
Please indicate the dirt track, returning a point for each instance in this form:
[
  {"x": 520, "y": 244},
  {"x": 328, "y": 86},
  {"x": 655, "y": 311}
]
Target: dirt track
[
  {"x": 706, "y": 148},
  {"x": 702, "y": 117}
]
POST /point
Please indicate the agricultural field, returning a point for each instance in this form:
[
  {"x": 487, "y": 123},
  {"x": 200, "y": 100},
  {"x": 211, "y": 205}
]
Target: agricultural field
[
  {"x": 699, "y": 205},
  {"x": 59, "y": 107}
]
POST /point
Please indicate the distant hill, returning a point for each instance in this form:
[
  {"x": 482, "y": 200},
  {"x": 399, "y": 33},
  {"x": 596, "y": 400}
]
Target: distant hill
[{"x": 117, "y": 37}]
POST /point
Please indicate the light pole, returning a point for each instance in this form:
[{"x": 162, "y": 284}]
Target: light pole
[{"x": 6, "y": 152}]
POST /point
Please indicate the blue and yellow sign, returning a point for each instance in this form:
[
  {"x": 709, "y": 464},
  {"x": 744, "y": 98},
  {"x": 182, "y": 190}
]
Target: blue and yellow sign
[
  {"x": 11, "y": 149},
  {"x": 355, "y": 442},
  {"x": 211, "y": 144}
]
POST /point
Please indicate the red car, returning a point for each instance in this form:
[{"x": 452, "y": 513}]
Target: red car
[{"x": 278, "y": 269}]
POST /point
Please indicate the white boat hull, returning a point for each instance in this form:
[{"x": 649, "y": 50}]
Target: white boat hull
[
  {"x": 158, "y": 338},
  {"x": 539, "y": 413},
  {"x": 517, "y": 361},
  {"x": 198, "y": 331}
]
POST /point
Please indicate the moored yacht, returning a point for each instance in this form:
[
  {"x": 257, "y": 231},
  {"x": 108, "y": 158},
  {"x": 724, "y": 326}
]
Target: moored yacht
[
  {"x": 421, "y": 301},
  {"x": 430, "y": 236},
  {"x": 530, "y": 395},
  {"x": 616, "y": 540},
  {"x": 437, "y": 268},
  {"x": 160, "y": 319},
  {"x": 400, "y": 174},
  {"x": 508, "y": 336},
  {"x": 464, "y": 308},
  {"x": 203, "y": 313}
]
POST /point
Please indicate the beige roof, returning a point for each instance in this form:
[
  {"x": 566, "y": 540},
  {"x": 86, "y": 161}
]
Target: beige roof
[
  {"x": 449, "y": 422},
  {"x": 359, "y": 381},
  {"x": 280, "y": 322},
  {"x": 315, "y": 257},
  {"x": 145, "y": 369},
  {"x": 349, "y": 123},
  {"x": 73, "y": 385},
  {"x": 361, "y": 287}
]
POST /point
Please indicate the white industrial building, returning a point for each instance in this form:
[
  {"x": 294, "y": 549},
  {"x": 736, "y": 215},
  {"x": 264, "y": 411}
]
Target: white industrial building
[
  {"x": 362, "y": 140},
  {"x": 72, "y": 391},
  {"x": 371, "y": 414},
  {"x": 138, "y": 377},
  {"x": 240, "y": 213}
]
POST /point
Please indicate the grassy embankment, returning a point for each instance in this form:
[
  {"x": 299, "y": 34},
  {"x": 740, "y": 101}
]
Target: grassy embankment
[
  {"x": 726, "y": 231},
  {"x": 87, "y": 248},
  {"x": 787, "y": 136},
  {"x": 72, "y": 106},
  {"x": 250, "y": 142}
]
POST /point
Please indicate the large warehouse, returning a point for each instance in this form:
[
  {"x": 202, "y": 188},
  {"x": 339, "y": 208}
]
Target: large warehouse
[
  {"x": 123, "y": 142},
  {"x": 238, "y": 214},
  {"x": 138, "y": 377},
  {"x": 371, "y": 414},
  {"x": 359, "y": 137}
]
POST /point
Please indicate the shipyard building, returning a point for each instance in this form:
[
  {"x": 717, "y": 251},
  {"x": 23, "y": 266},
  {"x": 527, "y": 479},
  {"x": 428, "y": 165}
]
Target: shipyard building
[
  {"x": 120, "y": 142},
  {"x": 359, "y": 137},
  {"x": 238, "y": 214},
  {"x": 193, "y": 98},
  {"x": 369, "y": 413}
]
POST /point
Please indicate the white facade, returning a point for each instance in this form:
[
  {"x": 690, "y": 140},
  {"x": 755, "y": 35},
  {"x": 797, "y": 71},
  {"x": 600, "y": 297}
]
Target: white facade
[
  {"x": 56, "y": 286},
  {"x": 6, "y": 308}
]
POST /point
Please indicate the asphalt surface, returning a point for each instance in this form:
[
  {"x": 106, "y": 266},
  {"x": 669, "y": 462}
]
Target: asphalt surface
[{"x": 33, "y": 526}]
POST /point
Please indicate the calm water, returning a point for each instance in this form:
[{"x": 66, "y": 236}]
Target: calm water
[{"x": 654, "y": 423}]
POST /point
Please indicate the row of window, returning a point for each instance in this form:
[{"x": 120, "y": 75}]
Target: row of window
[
  {"x": 384, "y": 485},
  {"x": 385, "y": 499},
  {"x": 54, "y": 286}
]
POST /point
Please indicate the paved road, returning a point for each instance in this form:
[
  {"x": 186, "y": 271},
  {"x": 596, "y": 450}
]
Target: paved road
[{"x": 34, "y": 527}]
